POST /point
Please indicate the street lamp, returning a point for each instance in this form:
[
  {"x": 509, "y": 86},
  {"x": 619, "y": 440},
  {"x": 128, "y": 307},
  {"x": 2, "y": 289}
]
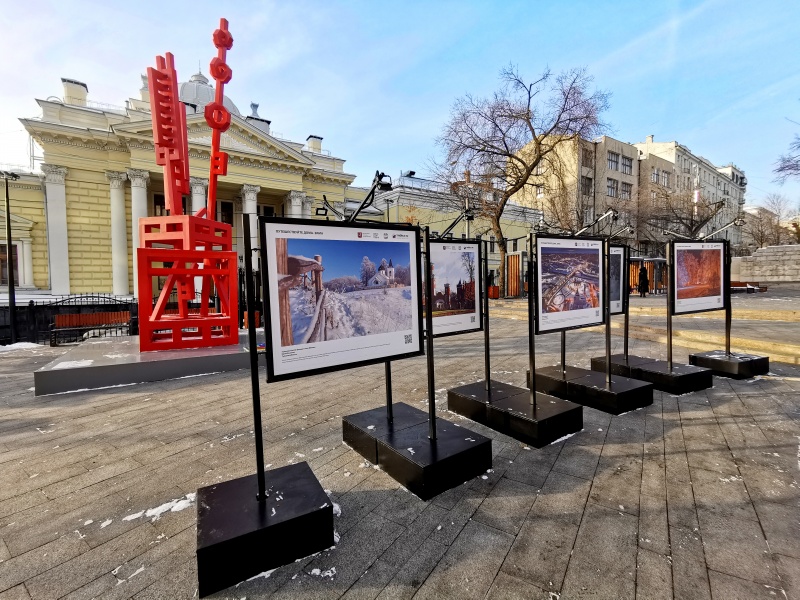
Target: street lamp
[{"x": 12, "y": 301}]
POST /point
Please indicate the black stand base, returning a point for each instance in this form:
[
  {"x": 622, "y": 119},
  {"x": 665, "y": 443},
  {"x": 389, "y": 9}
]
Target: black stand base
[
  {"x": 682, "y": 379},
  {"x": 510, "y": 412},
  {"x": 428, "y": 468},
  {"x": 405, "y": 452},
  {"x": 618, "y": 364},
  {"x": 553, "y": 380},
  {"x": 360, "y": 431},
  {"x": 470, "y": 400},
  {"x": 735, "y": 365},
  {"x": 589, "y": 388},
  {"x": 239, "y": 537},
  {"x": 553, "y": 418}
]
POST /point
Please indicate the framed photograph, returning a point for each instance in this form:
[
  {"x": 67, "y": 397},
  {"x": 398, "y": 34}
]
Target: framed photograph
[
  {"x": 697, "y": 277},
  {"x": 569, "y": 283},
  {"x": 618, "y": 273},
  {"x": 339, "y": 295},
  {"x": 457, "y": 287}
]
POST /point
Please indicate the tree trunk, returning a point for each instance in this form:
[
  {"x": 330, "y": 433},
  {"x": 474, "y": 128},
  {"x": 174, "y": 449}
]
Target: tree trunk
[{"x": 500, "y": 240}]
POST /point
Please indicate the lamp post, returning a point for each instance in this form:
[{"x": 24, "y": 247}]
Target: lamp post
[{"x": 12, "y": 301}]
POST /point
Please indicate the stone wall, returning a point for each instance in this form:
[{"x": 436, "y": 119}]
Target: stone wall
[{"x": 773, "y": 263}]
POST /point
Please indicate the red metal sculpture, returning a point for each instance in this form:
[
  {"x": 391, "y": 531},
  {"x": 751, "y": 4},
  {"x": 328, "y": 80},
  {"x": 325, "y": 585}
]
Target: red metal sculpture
[{"x": 184, "y": 247}]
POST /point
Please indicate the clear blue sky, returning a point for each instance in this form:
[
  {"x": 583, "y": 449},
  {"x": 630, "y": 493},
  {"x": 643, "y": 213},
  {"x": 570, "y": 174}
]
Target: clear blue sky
[
  {"x": 377, "y": 80},
  {"x": 341, "y": 257}
]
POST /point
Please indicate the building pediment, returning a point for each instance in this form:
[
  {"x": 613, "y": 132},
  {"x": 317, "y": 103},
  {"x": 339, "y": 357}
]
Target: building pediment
[
  {"x": 17, "y": 223},
  {"x": 241, "y": 139}
]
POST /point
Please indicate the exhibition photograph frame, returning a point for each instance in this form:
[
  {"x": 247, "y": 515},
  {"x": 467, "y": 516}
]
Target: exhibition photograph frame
[
  {"x": 698, "y": 276},
  {"x": 462, "y": 301},
  {"x": 554, "y": 255},
  {"x": 619, "y": 306},
  {"x": 325, "y": 307}
]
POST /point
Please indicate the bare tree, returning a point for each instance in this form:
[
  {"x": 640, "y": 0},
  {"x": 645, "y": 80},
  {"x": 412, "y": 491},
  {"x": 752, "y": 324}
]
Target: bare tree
[
  {"x": 788, "y": 164},
  {"x": 759, "y": 227},
  {"x": 500, "y": 140},
  {"x": 682, "y": 212},
  {"x": 780, "y": 206}
]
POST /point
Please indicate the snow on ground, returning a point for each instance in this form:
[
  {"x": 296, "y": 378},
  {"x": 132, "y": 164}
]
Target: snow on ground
[{"x": 20, "y": 346}]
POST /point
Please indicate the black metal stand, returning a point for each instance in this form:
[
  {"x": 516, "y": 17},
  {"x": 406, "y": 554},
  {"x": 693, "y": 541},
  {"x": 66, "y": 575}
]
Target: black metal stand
[
  {"x": 388, "y": 377},
  {"x": 429, "y": 335},
  {"x": 243, "y": 528},
  {"x": 736, "y": 365}
]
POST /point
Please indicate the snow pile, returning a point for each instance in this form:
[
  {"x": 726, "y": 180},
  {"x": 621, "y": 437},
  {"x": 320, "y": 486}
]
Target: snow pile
[{"x": 20, "y": 346}]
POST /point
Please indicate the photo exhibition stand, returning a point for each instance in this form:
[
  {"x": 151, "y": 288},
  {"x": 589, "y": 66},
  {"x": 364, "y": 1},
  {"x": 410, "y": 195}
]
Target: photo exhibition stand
[
  {"x": 603, "y": 391},
  {"x": 425, "y": 454},
  {"x": 668, "y": 376},
  {"x": 524, "y": 414},
  {"x": 255, "y": 523},
  {"x": 736, "y": 365}
]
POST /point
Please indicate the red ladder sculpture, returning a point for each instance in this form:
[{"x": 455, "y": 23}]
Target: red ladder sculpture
[{"x": 183, "y": 247}]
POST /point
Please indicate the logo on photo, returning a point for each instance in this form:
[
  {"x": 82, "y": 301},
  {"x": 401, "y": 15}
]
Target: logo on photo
[
  {"x": 386, "y": 236},
  {"x": 359, "y": 234},
  {"x": 375, "y": 235}
]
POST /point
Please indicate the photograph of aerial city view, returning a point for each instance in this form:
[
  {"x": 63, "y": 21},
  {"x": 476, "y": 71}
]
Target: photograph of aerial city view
[
  {"x": 570, "y": 278},
  {"x": 615, "y": 277},
  {"x": 698, "y": 272}
]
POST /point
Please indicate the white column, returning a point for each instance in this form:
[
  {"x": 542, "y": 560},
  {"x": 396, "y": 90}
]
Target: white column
[
  {"x": 57, "y": 235},
  {"x": 139, "y": 181},
  {"x": 307, "y": 202},
  {"x": 27, "y": 263},
  {"x": 250, "y": 209},
  {"x": 199, "y": 186},
  {"x": 293, "y": 206},
  {"x": 119, "y": 233}
]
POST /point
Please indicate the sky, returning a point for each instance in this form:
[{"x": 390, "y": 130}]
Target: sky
[
  {"x": 341, "y": 257},
  {"x": 448, "y": 268},
  {"x": 377, "y": 80}
]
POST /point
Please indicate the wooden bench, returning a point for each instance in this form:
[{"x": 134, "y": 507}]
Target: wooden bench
[
  {"x": 80, "y": 323},
  {"x": 747, "y": 286}
]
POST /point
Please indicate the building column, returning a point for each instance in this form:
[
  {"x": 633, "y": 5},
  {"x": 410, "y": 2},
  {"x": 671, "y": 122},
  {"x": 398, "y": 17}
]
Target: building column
[
  {"x": 139, "y": 181},
  {"x": 250, "y": 210},
  {"x": 119, "y": 233},
  {"x": 307, "y": 202},
  {"x": 199, "y": 187},
  {"x": 294, "y": 204},
  {"x": 27, "y": 263},
  {"x": 57, "y": 235}
]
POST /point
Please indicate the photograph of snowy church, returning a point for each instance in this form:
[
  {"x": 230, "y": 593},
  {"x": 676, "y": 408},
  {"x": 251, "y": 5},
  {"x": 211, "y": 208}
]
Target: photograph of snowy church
[{"x": 337, "y": 289}]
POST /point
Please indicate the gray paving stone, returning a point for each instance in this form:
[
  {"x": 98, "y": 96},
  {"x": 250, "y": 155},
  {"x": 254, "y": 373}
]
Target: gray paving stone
[
  {"x": 653, "y": 576},
  {"x": 506, "y": 587},
  {"x": 653, "y": 524},
  {"x": 689, "y": 571},
  {"x": 733, "y": 588},
  {"x": 506, "y": 507},
  {"x": 16, "y": 593}
]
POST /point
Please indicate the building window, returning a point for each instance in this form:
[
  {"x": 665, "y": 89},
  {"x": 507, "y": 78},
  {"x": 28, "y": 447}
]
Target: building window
[
  {"x": 491, "y": 244},
  {"x": 159, "y": 208},
  {"x": 588, "y": 216},
  {"x": 539, "y": 191},
  {"x": 654, "y": 176},
  {"x": 265, "y": 211},
  {"x": 627, "y": 165},
  {"x": 664, "y": 178},
  {"x": 539, "y": 169},
  {"x": 612, "y": 187},
  {"x": 226, "y": 212},
  {"x": 587, "y": 158},
  {"x": 4, "y": 264},
  {"x": 463, "y": 236},
  {"x": 625, "y": 191},
  {"x": 514, "y": 245},
  {"x": 613, "y": 161},
  {"x": 586, "y": 186}
]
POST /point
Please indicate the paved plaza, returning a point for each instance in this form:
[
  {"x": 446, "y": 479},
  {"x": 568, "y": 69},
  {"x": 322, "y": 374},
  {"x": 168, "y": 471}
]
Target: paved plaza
[{"x": 696, "y": 496}]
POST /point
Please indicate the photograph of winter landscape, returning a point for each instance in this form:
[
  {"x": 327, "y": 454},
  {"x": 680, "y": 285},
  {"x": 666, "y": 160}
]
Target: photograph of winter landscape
[
  {"x": 570, "y": 278},
  {"x": 454, "y": 280},
  {"x": 338, "y": 289}
]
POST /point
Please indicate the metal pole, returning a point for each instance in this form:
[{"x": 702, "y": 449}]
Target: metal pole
[
  {"x": 564, "y": 355},
  {"x": 485, "y": 300},
  {"x": 253, "y": 344},
  {"x": 670, "y": 268},
  {"x": 607, "y": 305},
  {"x": 389, "y": 409},
  {"x": 531, "y": 331},
  {"x": 429, "y": 336},
  {"x": 626, "y": 265},
  {"x": 726, "y": 279},
  {"x": 12, "y": 299}
]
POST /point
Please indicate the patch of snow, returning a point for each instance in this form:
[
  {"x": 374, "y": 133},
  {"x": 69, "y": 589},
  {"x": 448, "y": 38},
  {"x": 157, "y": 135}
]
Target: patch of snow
[
  {"x": 336, "y": 537},
  {"x": 136, "y": 572},
  {"x": 133, "y": 516},
  {"x": 410, "y": 451},
  {"x": 337, "y": 510},
  {"x": 20, "y": 346},
  {"x": 264, "y": 574},
  {"x": 370, "y": 426},
  {"x": 175, "y": 505},
  {"x": 228, "y": 438},
  {"x": 330, "y": 573},
  {"x": 566, "y": 437},
  {"x": 88, "y": 522},
  {"x": 105, "y": 524},
  {"x": 73, "y": 364},
  {"x": 318, "y": 449}
]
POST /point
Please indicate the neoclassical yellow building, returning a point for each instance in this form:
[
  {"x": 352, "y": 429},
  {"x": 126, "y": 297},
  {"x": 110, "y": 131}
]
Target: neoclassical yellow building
[{"x": 74, "y": 225}]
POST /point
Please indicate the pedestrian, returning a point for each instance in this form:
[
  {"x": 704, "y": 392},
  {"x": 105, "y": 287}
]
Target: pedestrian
[{"x": 644, "y": 282}]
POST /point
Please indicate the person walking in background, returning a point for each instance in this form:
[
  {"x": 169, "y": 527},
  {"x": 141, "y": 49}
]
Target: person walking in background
[{"x": 644, "y": 282}]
